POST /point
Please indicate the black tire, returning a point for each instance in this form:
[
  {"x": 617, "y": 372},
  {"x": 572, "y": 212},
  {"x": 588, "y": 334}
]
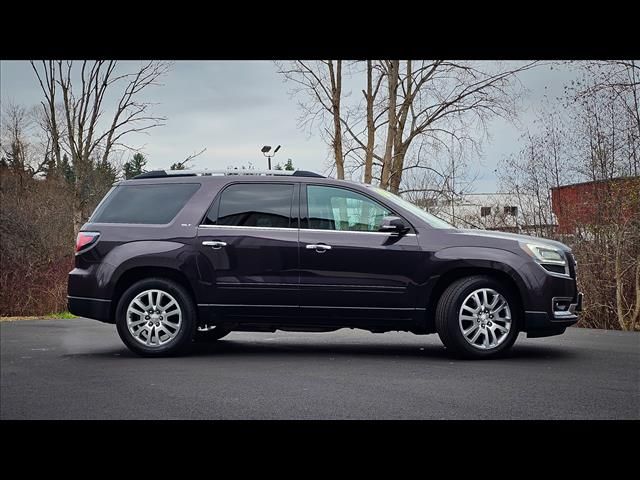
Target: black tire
[
  {"x": 447, "y": 311},
  {"x": 211, "y": 335},
  {"x": 178, "y": 345}
]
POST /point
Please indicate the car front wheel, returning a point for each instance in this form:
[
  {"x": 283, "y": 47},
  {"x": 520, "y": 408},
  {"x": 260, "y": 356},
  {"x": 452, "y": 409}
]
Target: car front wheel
[{"x": 477, "y": 317}]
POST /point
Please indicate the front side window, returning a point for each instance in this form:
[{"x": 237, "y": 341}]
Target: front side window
[
  {"x": 253, "y": 205},
  {"x": 332, "y": 208},
  {"x": 145, "y": 204},
  {"x": 425, "y": 216}
]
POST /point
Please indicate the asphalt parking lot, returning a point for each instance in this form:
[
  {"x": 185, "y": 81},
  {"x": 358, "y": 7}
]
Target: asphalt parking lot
[{"x": 79, "y": 369}]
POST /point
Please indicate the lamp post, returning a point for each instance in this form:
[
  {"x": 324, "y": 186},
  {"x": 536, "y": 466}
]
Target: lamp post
[{"x": 265, "y": 151}]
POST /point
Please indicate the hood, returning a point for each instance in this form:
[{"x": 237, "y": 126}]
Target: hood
[{"x": 514, "y": 236}]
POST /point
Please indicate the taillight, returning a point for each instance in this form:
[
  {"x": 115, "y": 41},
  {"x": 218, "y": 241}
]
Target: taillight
[{"x": 85, "y": 239}]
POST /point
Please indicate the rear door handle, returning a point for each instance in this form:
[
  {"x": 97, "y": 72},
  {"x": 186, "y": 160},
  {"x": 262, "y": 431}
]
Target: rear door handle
[
  {"x": 318, "y": 247},
  {"x": 216, "y": 245}
]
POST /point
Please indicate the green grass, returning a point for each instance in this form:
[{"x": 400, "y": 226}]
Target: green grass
[{"x": 61, "y": 315}]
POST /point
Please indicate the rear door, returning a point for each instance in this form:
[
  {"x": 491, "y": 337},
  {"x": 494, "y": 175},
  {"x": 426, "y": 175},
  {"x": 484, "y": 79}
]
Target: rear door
[{"x": 250, "y": 241}]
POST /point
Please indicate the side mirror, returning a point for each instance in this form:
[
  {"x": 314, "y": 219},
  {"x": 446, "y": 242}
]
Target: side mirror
[{"x": 394, "y": 225}]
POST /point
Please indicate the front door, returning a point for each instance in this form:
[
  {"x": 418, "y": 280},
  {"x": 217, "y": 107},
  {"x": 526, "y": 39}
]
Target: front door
[
  {"x": 250, "y": 245},
  {"x": 347, "y": 267}
]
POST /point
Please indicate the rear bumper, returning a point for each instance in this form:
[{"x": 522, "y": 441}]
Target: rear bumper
[{"x": 95, "y": 308}]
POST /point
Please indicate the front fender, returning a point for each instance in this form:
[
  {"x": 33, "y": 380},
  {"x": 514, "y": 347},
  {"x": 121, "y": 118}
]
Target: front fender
[{"x": 447, "y": 260}]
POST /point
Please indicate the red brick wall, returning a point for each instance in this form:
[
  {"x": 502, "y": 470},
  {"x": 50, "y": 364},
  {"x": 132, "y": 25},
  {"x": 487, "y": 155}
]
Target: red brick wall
[{"x": 595, "y": 203}]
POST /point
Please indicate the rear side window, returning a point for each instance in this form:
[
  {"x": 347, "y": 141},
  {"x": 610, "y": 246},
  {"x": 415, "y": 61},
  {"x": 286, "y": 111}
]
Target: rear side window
[
  {"x": 152, "y": 204},
  {"x": 253, "y": 205}
]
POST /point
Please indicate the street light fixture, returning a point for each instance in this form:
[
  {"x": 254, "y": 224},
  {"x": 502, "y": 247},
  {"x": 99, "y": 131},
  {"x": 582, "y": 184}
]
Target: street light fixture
[{"x": 265, "y": 151}]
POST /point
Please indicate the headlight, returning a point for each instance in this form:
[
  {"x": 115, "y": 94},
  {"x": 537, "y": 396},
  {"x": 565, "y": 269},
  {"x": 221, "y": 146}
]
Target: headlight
[{"x": 545, "y": 254}]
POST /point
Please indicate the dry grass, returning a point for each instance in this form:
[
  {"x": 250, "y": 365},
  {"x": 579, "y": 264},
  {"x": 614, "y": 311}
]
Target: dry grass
[{"x": 50, "y": 316}]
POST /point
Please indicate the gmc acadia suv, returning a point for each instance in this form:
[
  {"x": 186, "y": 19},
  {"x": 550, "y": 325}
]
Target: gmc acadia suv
[{"x": 174, "y": 257}]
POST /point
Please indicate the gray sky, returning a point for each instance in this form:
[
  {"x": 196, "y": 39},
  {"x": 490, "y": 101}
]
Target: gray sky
[{"x": 234, "y": 107}]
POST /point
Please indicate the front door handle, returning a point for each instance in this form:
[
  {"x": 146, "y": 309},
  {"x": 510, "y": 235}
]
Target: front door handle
[
  {"x": 216, "y": 245},
  {"x": 319, "y": 247}
]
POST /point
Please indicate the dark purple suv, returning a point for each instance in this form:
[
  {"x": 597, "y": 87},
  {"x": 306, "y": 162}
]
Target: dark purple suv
[{"x": 172, "y": 258}]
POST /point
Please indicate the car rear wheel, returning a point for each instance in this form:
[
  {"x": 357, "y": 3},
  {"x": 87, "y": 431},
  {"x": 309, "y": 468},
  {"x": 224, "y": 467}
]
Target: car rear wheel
[
  {"x": 477, "y": 317},
  {"x": 156, "y": 317}
]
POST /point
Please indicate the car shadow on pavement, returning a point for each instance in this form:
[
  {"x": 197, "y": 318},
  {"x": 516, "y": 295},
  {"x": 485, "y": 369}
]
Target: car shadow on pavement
[
  {"x": 266, "y": 348},
  {"x": 233, "y": 347}
]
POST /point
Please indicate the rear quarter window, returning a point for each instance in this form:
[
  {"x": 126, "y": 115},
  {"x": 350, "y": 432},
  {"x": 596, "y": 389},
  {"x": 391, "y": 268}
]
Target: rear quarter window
[
  {"x": 146, "y": 204},
  {"x": 253, "y": 205}
]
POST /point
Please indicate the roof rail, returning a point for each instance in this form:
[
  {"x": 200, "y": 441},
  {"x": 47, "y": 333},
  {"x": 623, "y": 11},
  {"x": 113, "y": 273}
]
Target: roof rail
[{"x": 211, "y": 173}]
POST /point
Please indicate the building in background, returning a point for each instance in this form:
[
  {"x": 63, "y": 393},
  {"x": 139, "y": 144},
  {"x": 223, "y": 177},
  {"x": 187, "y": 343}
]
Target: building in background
[
  {"x": 508, "y": 212},
  {"x": 594, "y": 203}
]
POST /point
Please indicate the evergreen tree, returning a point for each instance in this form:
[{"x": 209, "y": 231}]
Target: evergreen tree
[
  {"x": 66, "y": 170},
  {"x": 105, "y": 172},
  {"x": 135, "y": 166},
  {"x": 289, "y": 165}
]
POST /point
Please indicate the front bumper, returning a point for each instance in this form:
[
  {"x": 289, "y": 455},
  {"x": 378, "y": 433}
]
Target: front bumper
[{"x": 564, "y": 314}]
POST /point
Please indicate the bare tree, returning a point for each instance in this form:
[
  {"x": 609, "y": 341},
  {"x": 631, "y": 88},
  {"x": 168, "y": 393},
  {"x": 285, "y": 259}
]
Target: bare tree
[
  {"x": 361, "y": 123},
  {"x": 181, "y": 165},
  {"x": 439, "y": 100},
  {"x": 15, "y": 123},
  {"x": 441, "y": 185},
  {"x": 591, "y": 137},
  {"x": 436, "y": 100},
  {"x": 321, "y": 82},
  {"x": 610, "y": 134},
  {"x": 80, "y": 131},
  {"x": 373, "y": 87},
  {"x": 604, "y": 110},
  {"x": 543, "y": 163}
]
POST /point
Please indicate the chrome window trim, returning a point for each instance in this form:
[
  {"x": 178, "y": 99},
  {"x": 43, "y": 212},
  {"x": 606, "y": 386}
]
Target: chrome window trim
[
  {"x": 320, "y": 230},
  {"x": 243, "y": 227}
]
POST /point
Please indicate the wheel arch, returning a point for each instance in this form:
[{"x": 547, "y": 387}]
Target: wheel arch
[
  {"x": 455, "y": 274},
  {"x": 135, "y": 274}
]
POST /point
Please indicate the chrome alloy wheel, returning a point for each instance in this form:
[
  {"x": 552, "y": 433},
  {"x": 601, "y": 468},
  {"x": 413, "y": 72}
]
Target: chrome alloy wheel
[
  {"x": 154, "y": 318},
  {"x": 485, "y": 319}
]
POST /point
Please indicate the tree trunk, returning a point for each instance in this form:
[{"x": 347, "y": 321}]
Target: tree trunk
[
  {"x": 387, "y": 161},
  {"x": 619, "y": 282},
  {"x": 399, "y": 146},
  {"x": 398, "y": 165},
  {"x": 337, "y": 146},
  {"x": 371, "y": 133},
  {"x": 77, "y": 221},
  {"x": 336, "y": 92}
]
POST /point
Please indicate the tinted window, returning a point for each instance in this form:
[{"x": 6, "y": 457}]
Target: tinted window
[
  {"x": 331, "y": 208},
  {"x": 144, "y": 203},
  {"x": 253, "y": 205}
]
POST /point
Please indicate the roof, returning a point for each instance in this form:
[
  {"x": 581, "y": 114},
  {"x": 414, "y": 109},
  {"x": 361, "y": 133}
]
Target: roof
[
  {"x": 225, "y": 176},
  {"x": 594, "y": 182},
  {"x": 218, "y": 173}
]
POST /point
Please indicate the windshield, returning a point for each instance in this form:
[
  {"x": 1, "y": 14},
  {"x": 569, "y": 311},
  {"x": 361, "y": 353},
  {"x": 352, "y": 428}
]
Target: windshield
[{"x": 432, "y": 220}]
